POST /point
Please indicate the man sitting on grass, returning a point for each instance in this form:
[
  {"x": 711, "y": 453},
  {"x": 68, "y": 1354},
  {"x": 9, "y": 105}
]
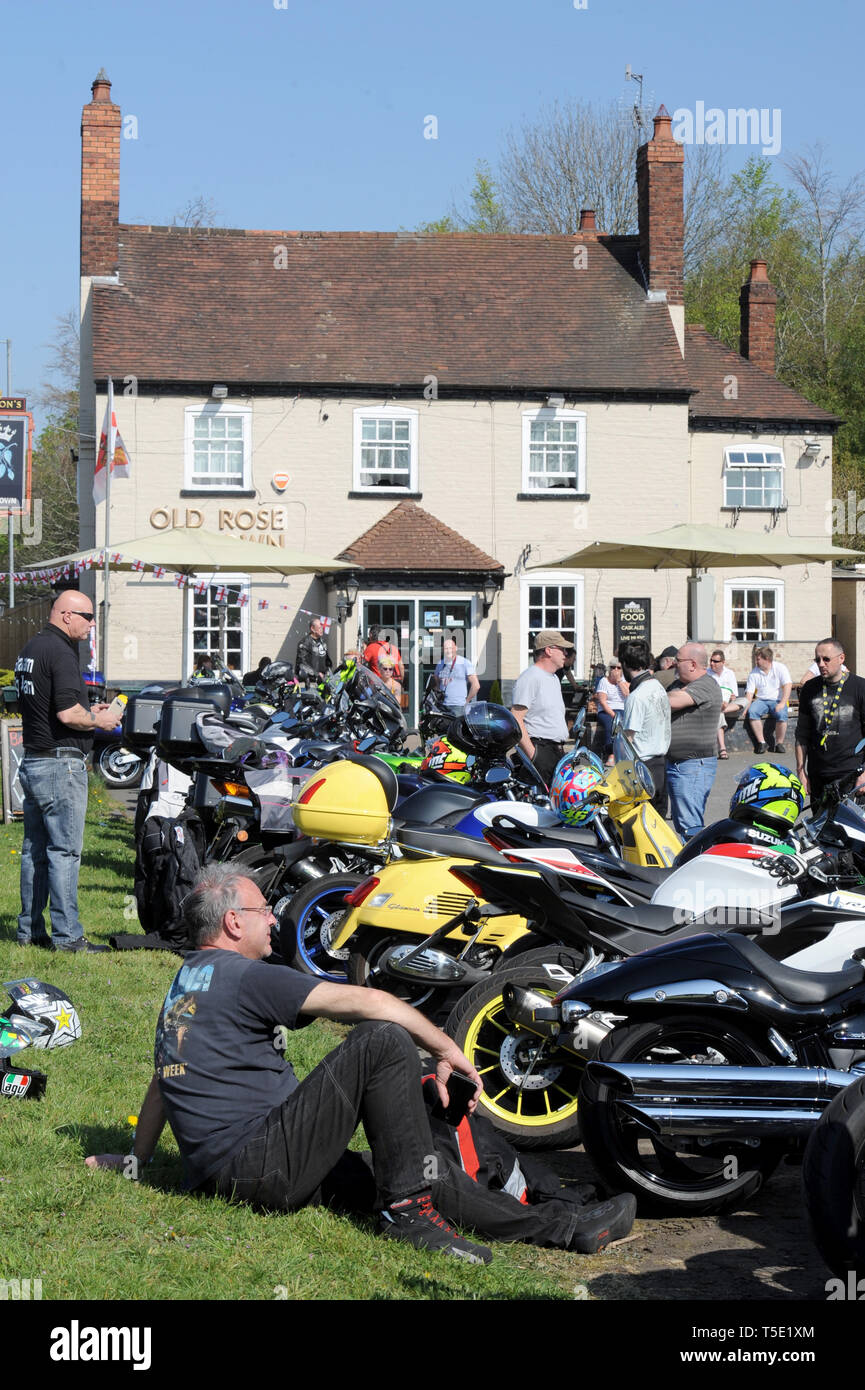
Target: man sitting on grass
[{"x": 248, "y": 1130}]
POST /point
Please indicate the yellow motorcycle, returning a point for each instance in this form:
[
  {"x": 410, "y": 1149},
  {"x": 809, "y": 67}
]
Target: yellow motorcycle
[{"x": 413, "y": 928}]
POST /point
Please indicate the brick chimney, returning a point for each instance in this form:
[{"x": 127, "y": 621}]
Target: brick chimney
[
  {"x": 757, "y": 302},
  {"x": 100, "y": 180},
  {"x": 587, "y": 220},
  {"x": 660, "y": 194}
]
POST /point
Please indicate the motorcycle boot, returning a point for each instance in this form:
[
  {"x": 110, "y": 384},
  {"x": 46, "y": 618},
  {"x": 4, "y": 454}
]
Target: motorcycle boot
[
  {"x": 416, "y": 1221},
  {"x": 597, "y": 1225}
]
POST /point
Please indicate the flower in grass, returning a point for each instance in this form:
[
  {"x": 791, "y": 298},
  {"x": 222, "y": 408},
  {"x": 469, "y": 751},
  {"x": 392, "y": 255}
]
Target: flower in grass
[{"x": 132, "y": 1120}]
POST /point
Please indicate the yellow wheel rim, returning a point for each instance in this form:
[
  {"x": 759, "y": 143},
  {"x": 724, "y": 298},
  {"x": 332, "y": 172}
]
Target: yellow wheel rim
[{"x": 514, "y": 1091}]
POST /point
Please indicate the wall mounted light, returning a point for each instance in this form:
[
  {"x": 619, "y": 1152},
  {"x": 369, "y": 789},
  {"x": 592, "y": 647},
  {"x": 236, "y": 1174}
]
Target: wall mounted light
[{"x": 219, "y": 393}]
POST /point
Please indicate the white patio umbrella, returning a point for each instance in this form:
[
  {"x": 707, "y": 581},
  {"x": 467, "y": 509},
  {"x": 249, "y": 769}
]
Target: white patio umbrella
[
  {"x": 694, "y": 547},
  {"x": 203, "y": 554}
]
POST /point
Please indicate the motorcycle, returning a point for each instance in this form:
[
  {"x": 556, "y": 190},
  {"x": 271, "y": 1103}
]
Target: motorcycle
[
  {"x": 118, "y": 766},
  {"x": 833, "y": 1182},
  {"x": 796, "y": 902}
]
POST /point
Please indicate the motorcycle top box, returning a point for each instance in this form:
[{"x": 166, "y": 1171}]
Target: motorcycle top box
[
  {"x": 140, "y": 720},
  {"x": 350, "y": 801},
  {"x": 177, "y": 734}
]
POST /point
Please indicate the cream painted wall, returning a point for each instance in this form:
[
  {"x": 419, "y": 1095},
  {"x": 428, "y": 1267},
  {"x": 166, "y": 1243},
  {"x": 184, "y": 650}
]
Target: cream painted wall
[{"x": 643, "y": 473}]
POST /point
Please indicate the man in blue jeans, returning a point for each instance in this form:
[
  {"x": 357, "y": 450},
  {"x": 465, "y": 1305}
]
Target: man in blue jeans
[
  {"x": 692, "y": 758},
  {"x": 58, "y": 734}
]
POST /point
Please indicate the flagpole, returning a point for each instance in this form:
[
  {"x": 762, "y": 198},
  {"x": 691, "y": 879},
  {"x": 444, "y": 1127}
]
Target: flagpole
[{"x": 109, "y": 466}]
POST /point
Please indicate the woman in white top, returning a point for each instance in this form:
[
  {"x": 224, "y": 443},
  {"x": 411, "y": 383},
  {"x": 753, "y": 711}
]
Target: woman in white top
[{"x": 612, "y": 692}]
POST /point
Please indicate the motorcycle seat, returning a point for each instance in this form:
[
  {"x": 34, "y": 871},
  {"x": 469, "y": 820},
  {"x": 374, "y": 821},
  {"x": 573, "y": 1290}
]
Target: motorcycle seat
[
  {"x": 799, "y": 986},
  {"x": 451, "y": 844}
]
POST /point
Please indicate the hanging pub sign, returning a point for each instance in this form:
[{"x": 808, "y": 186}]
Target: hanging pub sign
[
  {"x": 632, "y": 619},
  {"x": 16, "y": 434}
]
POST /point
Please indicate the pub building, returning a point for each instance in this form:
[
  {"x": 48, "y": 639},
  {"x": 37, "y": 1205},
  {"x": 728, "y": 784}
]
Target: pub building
[{"x": 453, "y": 414}]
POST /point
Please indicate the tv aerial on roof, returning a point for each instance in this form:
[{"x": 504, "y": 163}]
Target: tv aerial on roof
[{"x": 631, "y": 76}]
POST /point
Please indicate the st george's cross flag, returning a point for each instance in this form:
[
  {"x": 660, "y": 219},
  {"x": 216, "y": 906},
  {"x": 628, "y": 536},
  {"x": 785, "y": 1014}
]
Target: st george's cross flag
[{"x": 111, "y": 447}]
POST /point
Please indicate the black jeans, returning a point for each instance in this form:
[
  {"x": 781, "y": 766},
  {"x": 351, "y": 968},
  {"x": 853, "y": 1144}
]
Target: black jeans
[{"x": 373, "y": 1078}]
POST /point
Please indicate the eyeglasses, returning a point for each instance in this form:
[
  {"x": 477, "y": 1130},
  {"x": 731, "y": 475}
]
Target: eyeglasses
[
  {"x": 88, "y": 617},
  {"x": 716, "y": 658},
  {"x": 266, "y": 910},
  {"x": 824, "y": 660}
]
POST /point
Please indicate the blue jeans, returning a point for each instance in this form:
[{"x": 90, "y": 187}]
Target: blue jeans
[
  {"x": 689, "y": 784},
  {"x": 55, "y": 805}
]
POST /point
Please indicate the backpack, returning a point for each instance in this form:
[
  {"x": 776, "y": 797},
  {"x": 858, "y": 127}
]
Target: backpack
[{"x": 170, "y": 853}]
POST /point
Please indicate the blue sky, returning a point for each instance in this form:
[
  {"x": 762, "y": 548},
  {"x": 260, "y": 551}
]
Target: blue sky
[{"x": 310, "y": 113}]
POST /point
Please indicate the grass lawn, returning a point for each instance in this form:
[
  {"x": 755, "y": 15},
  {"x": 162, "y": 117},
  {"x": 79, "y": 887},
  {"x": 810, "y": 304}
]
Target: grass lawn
[{"x": 96, "y": 1235}]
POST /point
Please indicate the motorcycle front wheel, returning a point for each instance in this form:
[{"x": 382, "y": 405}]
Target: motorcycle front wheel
[
  {"x": 833, "y": 1180},
  {"x": 118, "y": 767},
  {"x": 310, "y": 920},
  {"x": 667, "y": 1173},
  {"x": 530, "y": 1092}
]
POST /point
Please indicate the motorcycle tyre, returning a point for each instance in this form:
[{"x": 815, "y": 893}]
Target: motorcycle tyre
[
  {"x": 113, "y": 779},
  {"x": 481, "y": 1008},
  {"x": 668, "y": 1191},
  {"x": 833, "y": 1181},
  {"x": 330, "y": 889}
]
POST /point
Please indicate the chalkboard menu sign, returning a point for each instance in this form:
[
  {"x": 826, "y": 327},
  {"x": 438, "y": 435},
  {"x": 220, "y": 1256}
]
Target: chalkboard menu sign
[{"x": 632, "y": 619}]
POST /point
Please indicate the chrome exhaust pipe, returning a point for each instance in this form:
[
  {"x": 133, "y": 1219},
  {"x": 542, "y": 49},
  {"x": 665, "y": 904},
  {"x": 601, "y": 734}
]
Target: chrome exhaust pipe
[
  {"x": 721, "y": 1084},
  {"x": 723, "y": 1123},
  {"x": 537, "y": 1014},
  {"x": 408, "y": 962}
]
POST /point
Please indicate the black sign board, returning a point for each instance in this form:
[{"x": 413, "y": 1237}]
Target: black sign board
[
  {"x": 632, "y": 619},
  {"x": 15, "y": 433},
  {"x": 16, "y": 403}
]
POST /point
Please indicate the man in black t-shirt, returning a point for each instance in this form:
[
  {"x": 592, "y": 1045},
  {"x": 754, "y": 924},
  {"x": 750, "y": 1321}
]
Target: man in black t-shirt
[
  {"x": 831, "y": 723},
  {"x": 248, "y": 1130},
  {"x": 58, "y": 734}
]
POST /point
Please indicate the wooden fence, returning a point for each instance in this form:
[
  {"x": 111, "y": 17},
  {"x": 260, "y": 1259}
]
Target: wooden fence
[{"x": 19, "y": 624}]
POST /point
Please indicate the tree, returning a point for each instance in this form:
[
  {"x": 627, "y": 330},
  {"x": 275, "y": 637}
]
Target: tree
[
  {"x": 197, "y": 211},
  {"x": 483, "y": 214}
]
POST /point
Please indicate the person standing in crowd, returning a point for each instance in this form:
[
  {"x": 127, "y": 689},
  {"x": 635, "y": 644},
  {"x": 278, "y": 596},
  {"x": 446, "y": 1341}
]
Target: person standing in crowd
[
  {"x": 831, "y": 723},
  {"x": 665, "y": 667},
  {"x": 538, "y": 705},
  {"x": 313, "y": 659},
  {"x": 58, "y": 727},
  {"x": 611, "y": 693},
  {"x": 455, "y": 677},
  {"x": 646, "y": 716},
  {"x": 767, "y": 692},
  {"x": 692, "y": 761},
  {"x": 382, "y": 657},
  {"x": 729, "y": 695}
]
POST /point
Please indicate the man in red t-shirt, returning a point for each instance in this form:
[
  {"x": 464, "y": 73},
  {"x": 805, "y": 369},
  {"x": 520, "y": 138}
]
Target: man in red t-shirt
[{"x": 377, "y": 647}]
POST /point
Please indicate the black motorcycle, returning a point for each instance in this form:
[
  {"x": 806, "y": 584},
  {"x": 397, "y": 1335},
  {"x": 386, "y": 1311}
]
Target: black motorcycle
[{"x": 833, "y": 1180}]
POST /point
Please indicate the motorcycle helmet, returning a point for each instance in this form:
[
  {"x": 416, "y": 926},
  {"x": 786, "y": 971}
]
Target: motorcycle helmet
[
  {"x": 575, "y": 777},
  {"x": 488, "y": 729},
  {"x": 769, "y": 795},
  {"x": 443, "y": 755},
  {"x": 40, "y": 1013}
]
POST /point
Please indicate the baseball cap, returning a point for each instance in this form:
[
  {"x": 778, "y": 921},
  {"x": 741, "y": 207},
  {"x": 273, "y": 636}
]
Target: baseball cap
[
  {"x": 550, "y": 638},
  {"x": 668, "y": 651}
]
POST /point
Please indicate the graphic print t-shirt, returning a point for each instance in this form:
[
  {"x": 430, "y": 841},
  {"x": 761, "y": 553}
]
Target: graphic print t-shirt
[
  {"x": 837, "y": 756},
  {"x": 219, "y": 1052}
]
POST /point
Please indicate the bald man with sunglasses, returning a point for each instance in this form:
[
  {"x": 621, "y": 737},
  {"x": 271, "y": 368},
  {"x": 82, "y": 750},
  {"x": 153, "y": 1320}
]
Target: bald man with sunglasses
[{"x": 59, "y": 725}]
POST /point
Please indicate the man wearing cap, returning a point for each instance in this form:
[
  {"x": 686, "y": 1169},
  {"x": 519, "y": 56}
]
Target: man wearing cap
[
  {"x": 665, "y": 667},
  {"x": 57, "y": 734},
  {"x": 538, "y": 705}
]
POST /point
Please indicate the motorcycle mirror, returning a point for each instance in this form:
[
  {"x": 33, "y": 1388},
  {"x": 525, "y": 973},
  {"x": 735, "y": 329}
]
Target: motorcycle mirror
[{"x": 495, "y": 776}]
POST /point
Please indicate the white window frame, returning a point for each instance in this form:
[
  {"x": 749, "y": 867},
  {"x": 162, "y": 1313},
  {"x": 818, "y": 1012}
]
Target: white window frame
[
  {"x": 561, "y": 578},
  {"x": 759, "y": 581},
  {"x": 385, "y": 412},
  {"x": 213, "y": 408},
  {"x": 213, "y": 581},
  {"x": 549, "y": 414},
  {"x": 766, "y": 466}
]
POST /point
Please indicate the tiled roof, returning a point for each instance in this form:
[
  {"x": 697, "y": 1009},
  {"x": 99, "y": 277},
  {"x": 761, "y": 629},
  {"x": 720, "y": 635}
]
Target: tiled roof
[
  {"x": 758, "y": 396},
  {"x": 355, "y": 308},
  {"x": 408, "y": 538}
]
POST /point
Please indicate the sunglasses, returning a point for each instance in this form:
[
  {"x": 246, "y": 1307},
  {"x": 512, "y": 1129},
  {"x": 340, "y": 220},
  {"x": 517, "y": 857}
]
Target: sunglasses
[{"x": 88, "y": 617}]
